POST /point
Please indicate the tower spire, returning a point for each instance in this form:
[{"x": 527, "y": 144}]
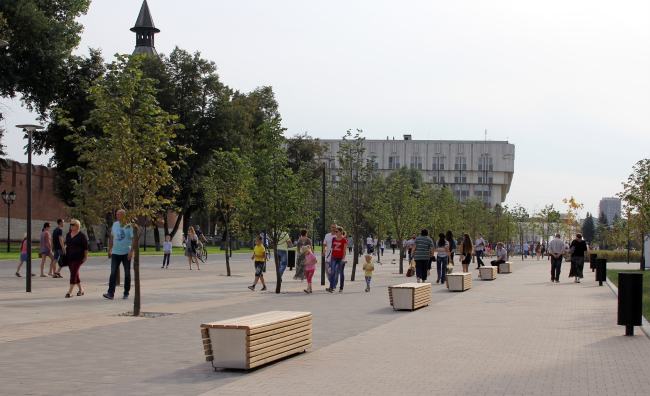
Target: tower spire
[{"x": 144, "y": 30}]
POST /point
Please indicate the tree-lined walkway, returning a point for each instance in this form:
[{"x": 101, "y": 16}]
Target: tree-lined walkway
[{"x": 519, "y": 334}]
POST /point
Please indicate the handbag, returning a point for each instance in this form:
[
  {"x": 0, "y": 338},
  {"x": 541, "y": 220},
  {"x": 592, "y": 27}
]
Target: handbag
[
  {"x": 63, "y": 260},
  {"x": 450, "y": 268},
  {"x": 409, "y": 273},
  {"x": 40, "y": 255}
]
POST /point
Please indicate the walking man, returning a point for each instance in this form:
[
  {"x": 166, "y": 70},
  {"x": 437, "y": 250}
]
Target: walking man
[
  {"x": 525, "y": 255},
  {"x": 368, "y": 244},
  {"x": 120, "y": 251},
  {"x": 479, "y": 248},
  {"x": 555, "y": 250},
  {"x": 58, "y": 246},
  {"x": 282, "y": 247},
  {"x": 327, "y": 244}
]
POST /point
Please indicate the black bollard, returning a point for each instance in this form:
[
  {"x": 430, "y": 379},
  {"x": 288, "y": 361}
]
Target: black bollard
[
  {"x": 642, "y": 263},
  {"x": 592, "y": 261},
  {"x": 601, "y": 271},
  {"x": 291, "y": 259},
  {"x": 630, "y": 300}
]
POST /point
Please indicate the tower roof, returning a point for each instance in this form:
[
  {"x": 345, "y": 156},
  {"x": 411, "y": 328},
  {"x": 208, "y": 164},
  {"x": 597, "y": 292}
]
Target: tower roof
[{"x": 144, "y": 21}]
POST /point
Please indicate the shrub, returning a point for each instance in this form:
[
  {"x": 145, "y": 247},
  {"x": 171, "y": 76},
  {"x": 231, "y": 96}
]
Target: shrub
[{"x": 614, "y": 256}]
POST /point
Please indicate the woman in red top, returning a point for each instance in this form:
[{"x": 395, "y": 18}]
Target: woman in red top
[{"x": 339, "y": 249}]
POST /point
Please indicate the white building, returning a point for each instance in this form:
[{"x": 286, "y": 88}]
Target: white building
[{"x": 481, "y": 169}]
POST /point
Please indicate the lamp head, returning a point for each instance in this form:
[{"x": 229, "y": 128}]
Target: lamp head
[
  {"x": 30, "y": 127},
  {"x": 4, "y": 195},
  {"x": 12, "y": 196}
]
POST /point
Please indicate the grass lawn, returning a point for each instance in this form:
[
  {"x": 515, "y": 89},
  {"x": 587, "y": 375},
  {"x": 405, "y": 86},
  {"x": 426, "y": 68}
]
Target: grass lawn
[
  {"x": 14, "y": 254},
  {"x": 612, "y": 274}
]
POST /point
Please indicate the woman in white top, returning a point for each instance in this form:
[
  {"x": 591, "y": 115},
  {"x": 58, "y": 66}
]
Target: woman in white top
[{"x": 442, "y": 247}]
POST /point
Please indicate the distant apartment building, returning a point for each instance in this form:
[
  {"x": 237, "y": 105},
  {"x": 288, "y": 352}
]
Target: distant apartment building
[
  {"x": 611, "y": 207},
  {"x": 481, "y": 169}
]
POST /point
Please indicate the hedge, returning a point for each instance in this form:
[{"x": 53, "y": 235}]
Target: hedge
[{"x": 614, "y": 256}]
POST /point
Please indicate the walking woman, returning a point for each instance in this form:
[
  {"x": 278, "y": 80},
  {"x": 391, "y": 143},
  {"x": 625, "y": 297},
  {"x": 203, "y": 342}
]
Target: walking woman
[
  {"x": 300, "y": 263},
  {"x": 337, "y": 260},
  {"x": 191, "y": 244},
  {"x": 423, "y": 250},
  {"x": 443, "y": 257},
  {"x": 452, "y": 245},
  {"x": 578, "y": 256},
  {"x": 46, "y": 249},
  {"x": 76, "y": 248},
  {"x": 466, "y": 252}
]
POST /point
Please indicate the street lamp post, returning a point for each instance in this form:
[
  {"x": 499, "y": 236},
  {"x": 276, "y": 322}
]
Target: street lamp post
[
  {"x": 29, "y": 129},
  {"x": 324, "y": 161},
  {"x": 9, "y": 199}
]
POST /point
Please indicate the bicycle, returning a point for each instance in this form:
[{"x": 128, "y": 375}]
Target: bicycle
[{"x": 202, "y": 253}]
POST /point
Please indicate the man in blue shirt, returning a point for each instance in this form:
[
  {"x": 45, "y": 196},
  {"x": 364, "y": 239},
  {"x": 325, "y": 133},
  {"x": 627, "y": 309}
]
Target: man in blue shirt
[{"x": 120, "y": 251}]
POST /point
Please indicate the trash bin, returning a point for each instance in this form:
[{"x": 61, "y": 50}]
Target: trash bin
[
  {"x": 630, "y": 300},
  {"x": 601, "y": 271},
  {"x": 291, "y": 259},
  {"x": 592, "y": 261}
]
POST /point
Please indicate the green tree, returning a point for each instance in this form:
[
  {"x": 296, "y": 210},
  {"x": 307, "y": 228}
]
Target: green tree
[
  {"x": 548, "y": 218},
  {"x": 602, "y": 231},
  {"x": 350, "y": 196},
  {"x": 276, "y": 191},
  {"x": 125, "y": 166},
  {"x": 41, "y": 36},
  {"x": 520, "y": 217},
  {"x": 636, "y": 198},
  {"x": 589, "y": 228},
  {"x": 405, "y": 210},
  {"x": 227, "y": 188}
]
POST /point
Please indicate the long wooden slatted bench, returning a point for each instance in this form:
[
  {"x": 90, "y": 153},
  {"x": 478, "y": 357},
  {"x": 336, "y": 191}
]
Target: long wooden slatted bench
[
  {"x": 507, "y": 267},
  {"x": 487, "y": 272},
  {"x": 459, "y": 281},
  {"x": 251, "y": 341},
  {"x": 410, "y": 295}
]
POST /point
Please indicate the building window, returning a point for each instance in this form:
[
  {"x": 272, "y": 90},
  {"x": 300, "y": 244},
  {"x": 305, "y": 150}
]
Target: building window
[
  {"x": 393, "y": 162},
  {"x": 460, "y": 177},
  {"x": 461, "y": 163},
  {"x": 438, "y": 163},
  {"x": 416, "y": 162},
  {"x": 483, "y": 192},
  {"x": 461, "y": 191},
  {"x": 438, "y": 177}
]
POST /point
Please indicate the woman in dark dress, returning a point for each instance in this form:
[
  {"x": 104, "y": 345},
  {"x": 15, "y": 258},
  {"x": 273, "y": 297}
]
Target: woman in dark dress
[
  {"x": 466, "y": 250},
  {"x": 578, "y": 256},
  {"x": 76, "y": 248},
  {"x": 300, "y": 262}
]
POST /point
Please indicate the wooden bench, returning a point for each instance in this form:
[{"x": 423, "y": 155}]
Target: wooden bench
[
  {"x": 487, "y": 272},
  {"x": 251, "y": 341},
  {"x": 507, "y": 267},
  {"x": 410, "y": 295},
  {"x": 460, "y": 281}
]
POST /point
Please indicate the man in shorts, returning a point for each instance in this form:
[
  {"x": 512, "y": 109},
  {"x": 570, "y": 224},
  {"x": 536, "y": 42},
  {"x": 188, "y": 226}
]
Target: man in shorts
[
  {"x": 259, "y": 257},
  {"x": 58, "y": 246}
]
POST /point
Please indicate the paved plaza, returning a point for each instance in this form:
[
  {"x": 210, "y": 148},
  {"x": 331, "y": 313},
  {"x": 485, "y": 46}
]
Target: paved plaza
[{"x": 518, "y": 334}]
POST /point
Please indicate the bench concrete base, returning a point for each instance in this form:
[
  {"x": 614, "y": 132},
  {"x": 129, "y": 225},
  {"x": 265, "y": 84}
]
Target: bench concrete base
[
  {"x": 410, "y": 295},
  {"x": 459, "y": 281},
  {"x": 487, "y": 273}
]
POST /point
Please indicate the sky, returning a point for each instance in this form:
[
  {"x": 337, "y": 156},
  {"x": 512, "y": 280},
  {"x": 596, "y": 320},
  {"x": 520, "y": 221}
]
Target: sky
[{"x": 567, "y": 82}]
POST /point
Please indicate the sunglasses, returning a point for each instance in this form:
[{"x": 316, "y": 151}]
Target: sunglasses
[{"x": 73, "y": 225}]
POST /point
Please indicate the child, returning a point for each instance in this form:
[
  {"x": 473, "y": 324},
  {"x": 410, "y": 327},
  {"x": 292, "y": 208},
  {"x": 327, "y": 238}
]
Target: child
[
  {"x": 23, "y": 255},
  {"x": 368, "y": 267},
  {"x": 259, "y": 255},
  {"x": 167, "y": 251},
  {"x": 310, "y": 266}
]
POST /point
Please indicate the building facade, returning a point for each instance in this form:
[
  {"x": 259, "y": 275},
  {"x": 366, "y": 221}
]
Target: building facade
[
  {"x": 480, "y": 169},
  {"x": 611, "y": 207}
]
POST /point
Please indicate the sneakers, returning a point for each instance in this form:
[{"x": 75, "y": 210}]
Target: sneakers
[
  {"x": 126, "y": 296},
  {"x": 557, "y": 281},
  {"x": 106, "y": 295},
  {"x": 252, "y": 287},
  {"x": 264, "y": 288},
  {"x": 367, "y": 290},
  {"x": 340, "y": 290},
  {"x": 306, "y": 291},
  {"x": 329, "y": 290}
]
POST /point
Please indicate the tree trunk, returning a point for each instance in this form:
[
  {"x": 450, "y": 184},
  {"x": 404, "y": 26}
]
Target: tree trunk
[
  {"x": 156, "y": 234},
  {"x": 401, "y": 256},
  {"x": 165, "y": 225},
  {"x": 186, "y": 216},
  {"x": 355, "y": 259},
  {"x": 227, "y": 248},
  {"x": 183, "y": 210},
  {"x": 136, "y": 272},
  {"x": 278, "y": 277}
]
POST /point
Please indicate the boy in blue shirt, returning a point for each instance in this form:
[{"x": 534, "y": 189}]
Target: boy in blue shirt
[{"x": 167, "y": 251}]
